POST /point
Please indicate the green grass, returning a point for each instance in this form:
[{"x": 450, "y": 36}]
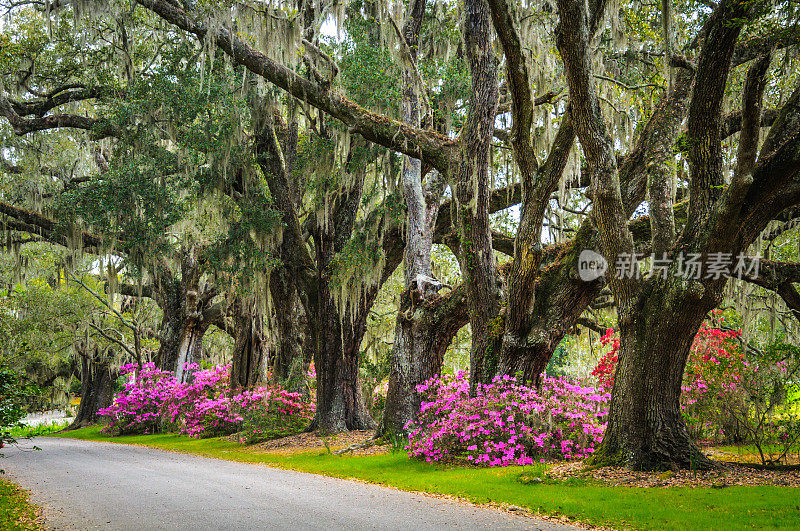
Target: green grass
[
  {"x": 21, "y": 432},
  {"x": 619, "y": 507},
  {"x": 15, "y": 511}
]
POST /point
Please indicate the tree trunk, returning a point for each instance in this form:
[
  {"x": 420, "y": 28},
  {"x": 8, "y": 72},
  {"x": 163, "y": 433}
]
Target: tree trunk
[
  {"x": 423, "y": 332},
  {"x": 97, "y": 390},
  {"x": 552, "y": 307},
  {"x": 249, "y": 348},
  {"x": 646, "y": 430},
  {"x": 187, "y": 314},
  {"x": 190, "y": 349},
  {"x": 288, "y": 365},
  {"x": 340, "y": 404},
  {"x": 420, "y": 337},
  {"x": 473, "y": 190},
  {"x": 181, "y": 343}
]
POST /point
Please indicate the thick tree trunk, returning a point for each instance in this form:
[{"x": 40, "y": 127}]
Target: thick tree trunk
[
  {"x": 249, "y": 348},
  {"x": 97, "y": 390},
  {"x": 424, "y": 331},
  {"x": 340, "y": 404},
  {"x": 167, "y": 294},
  {"x": 288, "y": 364},
  {"x": 187, "y": 314},
  {"x": 551, "y": 310},
  {"x": 421, "y": 334},
  {"x": 190, "y": 349},
  {"x": 646, "y": 430},
  {"x": 181, "y": 343}
]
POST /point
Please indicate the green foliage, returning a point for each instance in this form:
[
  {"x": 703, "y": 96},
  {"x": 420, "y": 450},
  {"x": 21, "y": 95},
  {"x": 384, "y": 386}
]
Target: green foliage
[
  {"x": 27, "y": 432},
  {"x": 14, "y": 396},
  {"x": 560, "y": 359},
  {"x": 369, "y": 73}
]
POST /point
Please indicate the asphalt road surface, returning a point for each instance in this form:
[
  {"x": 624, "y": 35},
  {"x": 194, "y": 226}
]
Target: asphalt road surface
[{"x": 86, "y": 485}]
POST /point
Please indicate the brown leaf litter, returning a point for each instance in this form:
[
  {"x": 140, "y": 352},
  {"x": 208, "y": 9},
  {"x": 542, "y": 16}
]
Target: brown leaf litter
[
  {"x": 309, "y": 441},
  {"x": 728, "y": 474}
]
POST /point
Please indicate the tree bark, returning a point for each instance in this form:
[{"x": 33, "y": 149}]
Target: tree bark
[
  {"x": 249, "y": 348},
  {"x": 411, "y": 360},
  {"x": 187, "y": 313},
  {"x": 288, "y": 364},
  {"x": 181, "y": 335},
  {"x": 646, "y": 430},
  {"x": 473, "y": 191},
  {"x": 554, "y": 302},
  {"x": 424, "y": 330},
  {"x": 97, "y": 388},
  {"x": 340, "y": 403}
]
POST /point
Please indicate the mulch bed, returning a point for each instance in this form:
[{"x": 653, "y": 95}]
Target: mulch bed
[
  {"x": 304, "y": 442},
  {"x": 727, "y": 475}
]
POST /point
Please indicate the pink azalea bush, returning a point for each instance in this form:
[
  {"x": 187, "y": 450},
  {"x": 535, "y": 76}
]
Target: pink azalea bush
[
  {"x": 506, "y": 423},
  {"x": 279, "y": 413},
  {"x": 153, "y": 400},
  {"x": 205, "y": 408},
  {"x": 139, "y": 408}
]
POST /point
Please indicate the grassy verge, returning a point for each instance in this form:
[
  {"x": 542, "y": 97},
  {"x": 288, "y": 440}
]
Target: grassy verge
[
  {"x": 15, "y": 511},
  {"x": 22, "y": 432},
  {"x": 619, "y": 507}
]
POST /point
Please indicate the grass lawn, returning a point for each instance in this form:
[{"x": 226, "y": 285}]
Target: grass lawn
[
  {"x": 619, "y": 507},
  {"x": 15, "y": 511}
]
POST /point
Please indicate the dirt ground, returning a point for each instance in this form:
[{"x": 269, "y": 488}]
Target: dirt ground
[
  {"x": 304, "y": 442},
  {"x": 729, "y": 473}
]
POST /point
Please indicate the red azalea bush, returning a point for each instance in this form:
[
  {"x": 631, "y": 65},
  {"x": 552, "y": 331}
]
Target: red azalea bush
[
  {"x": 279, "y": 413},
  {"x": 712, "y": 377},
  {"x": 153, "y": 401},
  {"x": 604, "y": 371},
  {"x": 506, "y": 423}
]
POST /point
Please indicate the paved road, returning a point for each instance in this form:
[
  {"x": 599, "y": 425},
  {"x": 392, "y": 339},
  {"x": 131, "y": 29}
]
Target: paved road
[{"x": 84, "y": 485}]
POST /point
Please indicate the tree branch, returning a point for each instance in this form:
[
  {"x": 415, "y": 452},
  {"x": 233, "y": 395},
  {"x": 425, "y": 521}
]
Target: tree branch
[
  {"x": 705, "y": 111},
  {"x": 732, "y": 122},
  {"x": 40, "y": 225},
  {"x": 431, "y": 146},
  {"x": 572, "y": 40}
]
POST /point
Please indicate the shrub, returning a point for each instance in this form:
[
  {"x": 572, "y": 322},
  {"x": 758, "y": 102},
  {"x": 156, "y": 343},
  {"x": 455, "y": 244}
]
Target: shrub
[
  {"x": 278, "y": 413},
  {"x": 139, "y": 408},
  {"x": 759, "y": 405},
  {"x": 204, "y": 407},
  {"x": 506, "y": 423},
  {"x": 607, "y": 366},
  {"x": 730, "y": 394},
  {"x": 153, "y": 400},
  {"x": 14, "y": 395},
  {"x": 712, "y": 377},
  {"x": 379, "y": 395}
]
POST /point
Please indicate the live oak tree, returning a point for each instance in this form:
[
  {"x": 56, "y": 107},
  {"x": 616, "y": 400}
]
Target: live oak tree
[
  {"x": 129, "y": 201},
  {"x": 311, "y": 150},
  {"x": 659, "y": 316},
  {"x": 339, "y": 405}
]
